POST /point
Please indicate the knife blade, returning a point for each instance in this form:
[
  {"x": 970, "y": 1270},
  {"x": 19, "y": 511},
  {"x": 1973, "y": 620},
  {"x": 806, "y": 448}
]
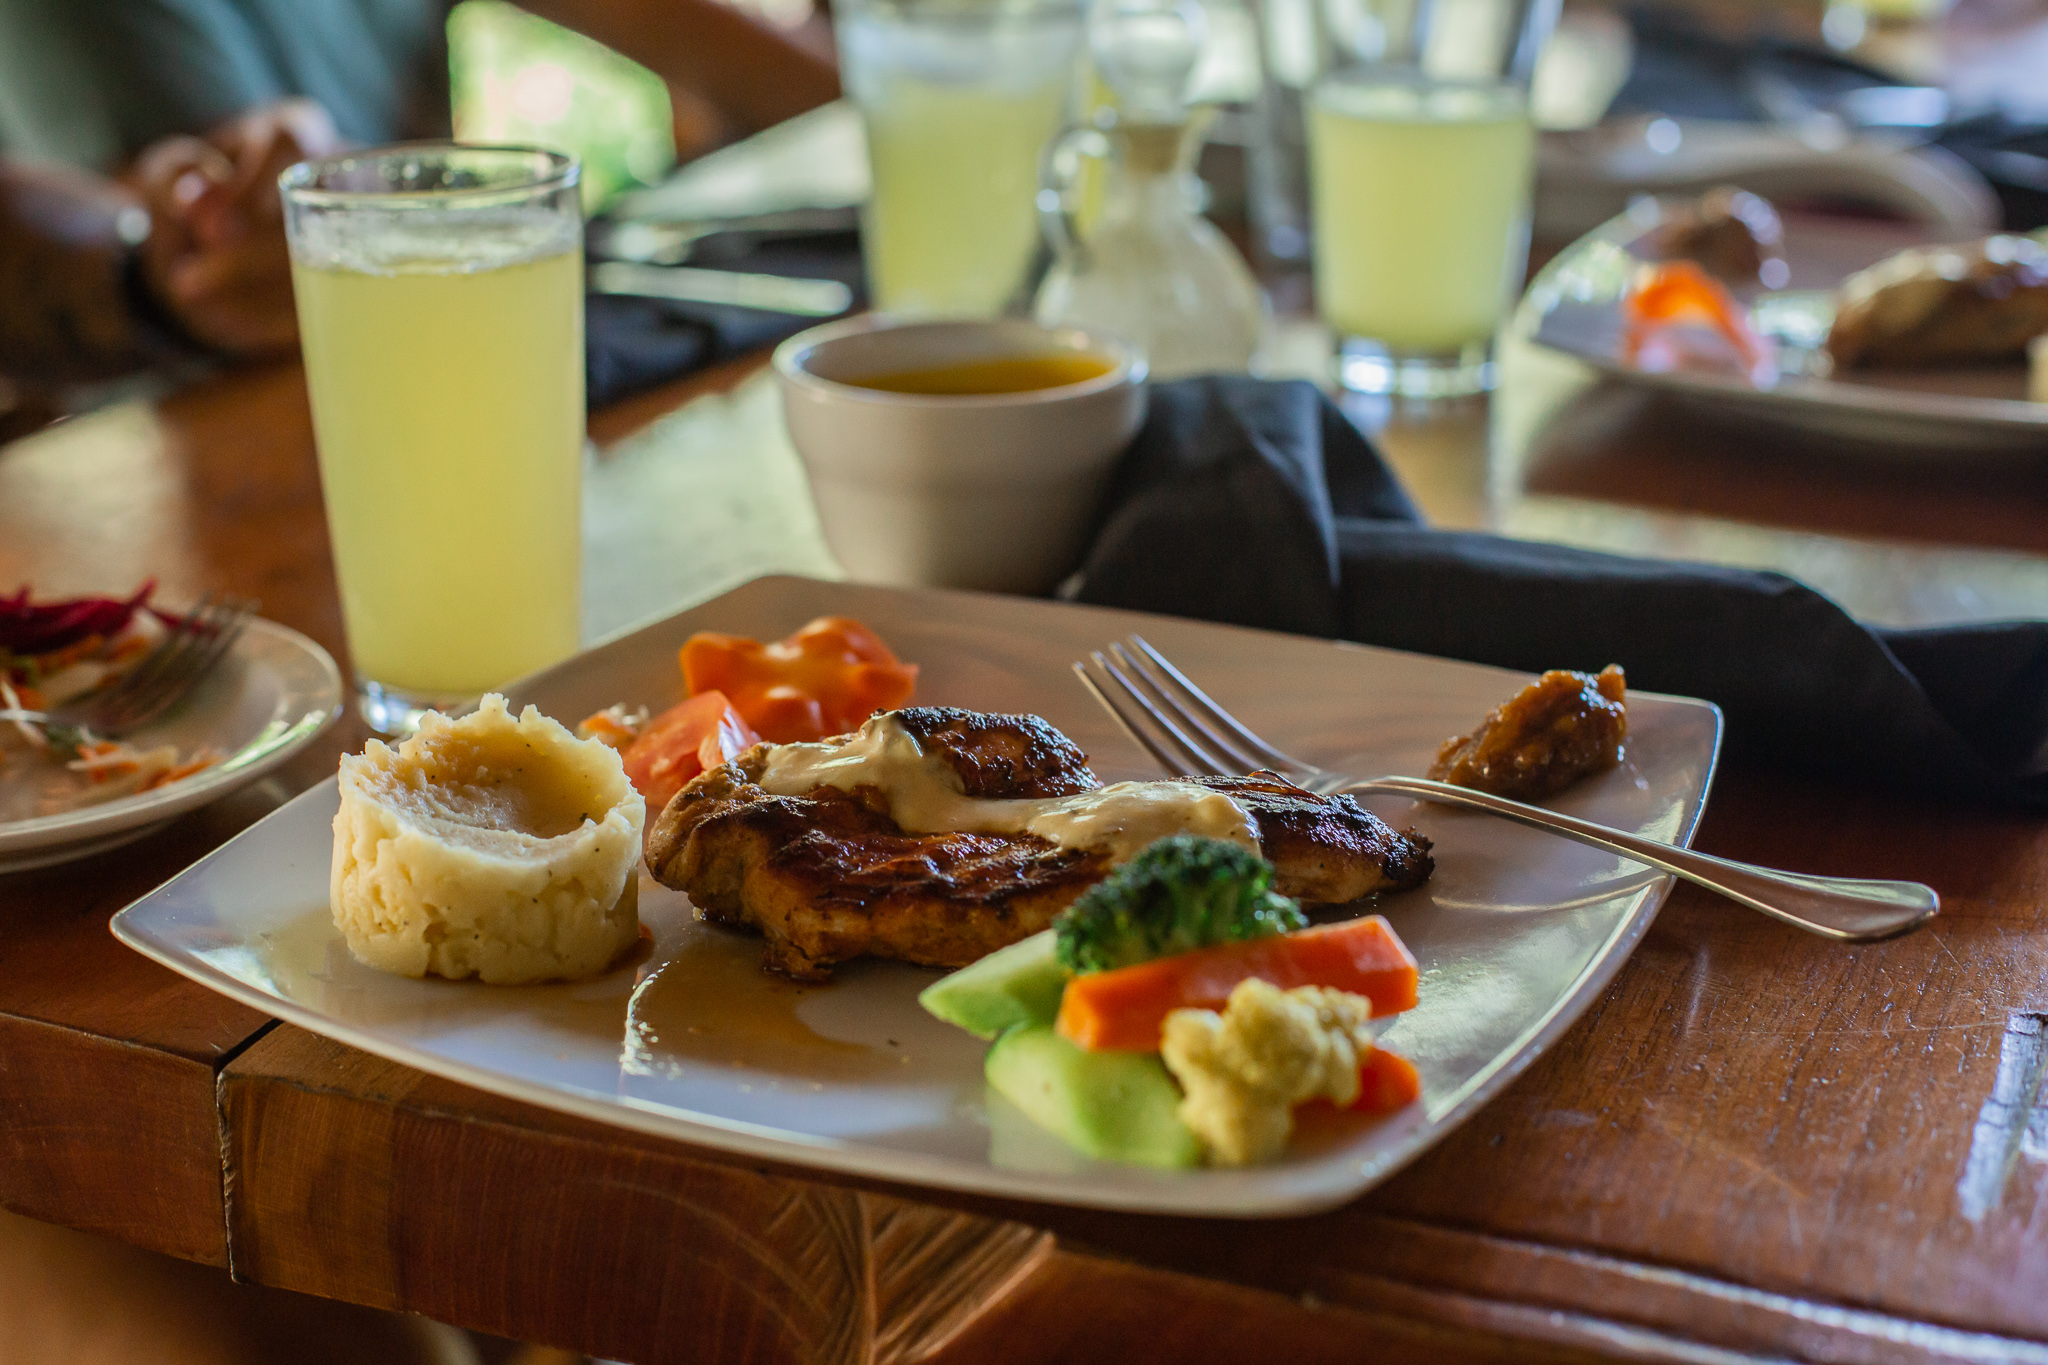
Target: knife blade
[{"x": 732, "y": 288}]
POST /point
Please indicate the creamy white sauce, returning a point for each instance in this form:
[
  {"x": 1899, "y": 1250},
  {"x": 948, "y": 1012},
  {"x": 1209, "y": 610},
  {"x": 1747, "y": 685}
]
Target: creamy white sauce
[{"x": 925, "y": 796}]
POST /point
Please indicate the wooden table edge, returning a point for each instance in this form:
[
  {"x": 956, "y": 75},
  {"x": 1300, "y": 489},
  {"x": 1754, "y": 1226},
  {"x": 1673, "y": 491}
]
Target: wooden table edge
[{"x": 1427, "y": 1285}]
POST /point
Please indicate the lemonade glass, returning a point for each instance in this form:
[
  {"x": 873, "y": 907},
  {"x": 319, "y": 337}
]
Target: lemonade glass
[
  {"x": 1421, "y": 158},
  {"x": 959, "y": 98},
  {"x": 440, "y": 301}
]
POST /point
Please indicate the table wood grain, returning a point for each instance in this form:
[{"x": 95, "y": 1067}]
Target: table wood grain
[
  {"x": 1755, "y": 1142},
  {"x": 107, "y": 1063},
  {"x": 1755, "y": 1145}
]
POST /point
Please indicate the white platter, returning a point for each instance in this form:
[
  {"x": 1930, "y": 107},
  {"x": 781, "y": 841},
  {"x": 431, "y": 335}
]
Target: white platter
[
  {"x": 1574, "y": 306},
  {"x": 1516, "y": 934},
  {"x": 264, "y": 702}
]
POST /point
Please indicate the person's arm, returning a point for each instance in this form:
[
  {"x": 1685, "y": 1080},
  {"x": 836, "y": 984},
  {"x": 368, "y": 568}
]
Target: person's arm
[
  {"x": 216, "y": 257},
  {"x": 68, "y": 278},
  {"x": 185, "y": 254},
  {"x": 755, "y": 74}
]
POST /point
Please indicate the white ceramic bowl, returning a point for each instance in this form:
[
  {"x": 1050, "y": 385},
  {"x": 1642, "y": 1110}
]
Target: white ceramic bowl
[{"x": 991, "y": 491}]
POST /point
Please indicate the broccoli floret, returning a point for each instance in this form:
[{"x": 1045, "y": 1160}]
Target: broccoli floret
[{"x": 1180, "y": 894}]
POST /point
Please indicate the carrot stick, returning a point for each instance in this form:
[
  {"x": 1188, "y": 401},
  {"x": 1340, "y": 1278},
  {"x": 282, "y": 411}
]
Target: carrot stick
[
  {"x": 1123, "y": 1010},
  {"x": 1386, "y": 1081}
]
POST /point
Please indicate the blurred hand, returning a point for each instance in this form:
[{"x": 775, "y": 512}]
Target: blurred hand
[{"x": 216, "y": 257}]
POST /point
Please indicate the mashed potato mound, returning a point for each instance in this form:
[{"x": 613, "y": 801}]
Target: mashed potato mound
[{"x": 489, "y": 846}]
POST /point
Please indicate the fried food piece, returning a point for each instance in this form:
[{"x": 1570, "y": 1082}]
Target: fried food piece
[
  {"x": 1943, "y": 305},
  {"x": 1558, "y": 729},
  {"x": 1736, "y": 235},
  {"x": 828, "y": 876}
]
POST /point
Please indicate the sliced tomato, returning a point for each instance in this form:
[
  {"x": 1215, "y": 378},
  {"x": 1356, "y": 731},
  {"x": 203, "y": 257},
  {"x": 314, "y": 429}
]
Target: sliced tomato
[
  {"x": 683, "y": 741},
  {"x": 824, "y": 679}
]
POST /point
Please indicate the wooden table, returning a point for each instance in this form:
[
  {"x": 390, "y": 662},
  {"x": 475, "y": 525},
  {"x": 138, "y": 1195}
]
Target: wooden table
[{"x": 1756, "y": 1145}]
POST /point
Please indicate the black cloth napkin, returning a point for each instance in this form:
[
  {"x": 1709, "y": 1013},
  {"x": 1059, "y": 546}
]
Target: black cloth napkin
[
  {"x": 1258, "y": 503},
  {"x": 631, "y": 344}
]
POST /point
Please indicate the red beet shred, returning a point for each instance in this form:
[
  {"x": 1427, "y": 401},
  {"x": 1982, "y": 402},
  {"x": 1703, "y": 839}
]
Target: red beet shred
[{"x": 38, "y": 627}]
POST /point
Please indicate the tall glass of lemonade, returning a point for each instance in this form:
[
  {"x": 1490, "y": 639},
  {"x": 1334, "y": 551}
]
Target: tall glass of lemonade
[
  {"x": 440, "y": 301},
  {"x": 1421, "y": 158},
  {"x": 960, "y": 98}
]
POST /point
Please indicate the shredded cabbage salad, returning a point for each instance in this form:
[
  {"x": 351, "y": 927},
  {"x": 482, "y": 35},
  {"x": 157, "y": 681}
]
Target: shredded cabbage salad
[{"x": 55, "y": 652}]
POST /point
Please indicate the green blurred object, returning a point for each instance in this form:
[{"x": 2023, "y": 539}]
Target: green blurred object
[{"x": 518, "y": 78}]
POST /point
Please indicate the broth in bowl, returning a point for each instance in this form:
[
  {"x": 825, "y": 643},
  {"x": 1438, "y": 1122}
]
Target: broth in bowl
[{"x": 1001, "y": 374}]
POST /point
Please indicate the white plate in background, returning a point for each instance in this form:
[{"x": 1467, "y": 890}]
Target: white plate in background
[{"x": 1574, "y": 306}]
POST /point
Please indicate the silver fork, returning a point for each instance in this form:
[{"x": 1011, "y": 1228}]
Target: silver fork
[
  {"x": 199, "y": 640},
  {"x": 1191, "y": 736}
]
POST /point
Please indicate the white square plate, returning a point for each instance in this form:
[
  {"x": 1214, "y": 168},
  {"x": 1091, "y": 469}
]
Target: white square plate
[
  {"x": 1575, "y": 306},
  {"x": 1516, "y": 933}
]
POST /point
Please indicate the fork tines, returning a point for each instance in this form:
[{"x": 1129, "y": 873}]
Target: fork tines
[
  {"x": 199, "y": 640},
  {"x": 1182, "y": 726}
]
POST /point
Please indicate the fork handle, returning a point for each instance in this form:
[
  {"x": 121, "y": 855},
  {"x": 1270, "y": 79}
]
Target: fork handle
[{"x": 1848, "y": 908}]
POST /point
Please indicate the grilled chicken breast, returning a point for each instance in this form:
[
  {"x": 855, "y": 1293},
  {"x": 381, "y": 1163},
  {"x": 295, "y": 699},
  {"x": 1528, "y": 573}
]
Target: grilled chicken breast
[{"x": 827, "y": 875}]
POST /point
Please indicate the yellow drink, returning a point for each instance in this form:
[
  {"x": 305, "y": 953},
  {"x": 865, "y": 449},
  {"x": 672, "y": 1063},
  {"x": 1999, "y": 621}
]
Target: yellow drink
[
  {"x": 953, "y": 220},
  {"x": 959, "y": 102},
  {"x": 1421, "y": 202},
  {"x": 448, "y": 411}
]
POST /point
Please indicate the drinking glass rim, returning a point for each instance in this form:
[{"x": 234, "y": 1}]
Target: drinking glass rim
[
  {"x": 1357, "y": 73},
  {"x": 952, "y": 12},
  {"x": 296, "y": 182}
]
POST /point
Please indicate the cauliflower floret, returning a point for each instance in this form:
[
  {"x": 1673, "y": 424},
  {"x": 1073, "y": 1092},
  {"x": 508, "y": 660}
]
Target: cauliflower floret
[{"x": 1245, "y": 1069}]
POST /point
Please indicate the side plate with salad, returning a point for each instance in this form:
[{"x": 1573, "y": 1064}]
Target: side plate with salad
[{"x": 64, "y": 795}]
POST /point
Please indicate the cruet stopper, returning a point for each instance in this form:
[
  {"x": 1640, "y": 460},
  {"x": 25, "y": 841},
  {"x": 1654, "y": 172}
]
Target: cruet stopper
[{"x": 1121, "y": 206}]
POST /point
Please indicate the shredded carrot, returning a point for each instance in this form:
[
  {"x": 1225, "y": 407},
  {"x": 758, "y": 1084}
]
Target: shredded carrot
[
  {"x": 197, "y": 763},
  {"x": 57, "y": 659},
  {"x": 103, "y": 760},
  {"x": 127, "y": 648}
]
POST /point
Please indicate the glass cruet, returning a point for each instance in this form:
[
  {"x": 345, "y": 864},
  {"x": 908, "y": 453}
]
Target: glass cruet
[{"x": 1121, "y": 206}]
